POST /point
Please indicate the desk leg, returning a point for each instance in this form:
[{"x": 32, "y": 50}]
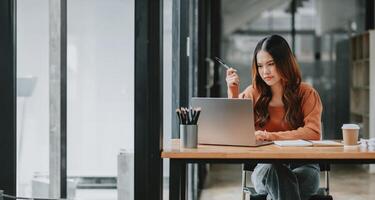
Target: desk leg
[{"x": 177, "y": 180}]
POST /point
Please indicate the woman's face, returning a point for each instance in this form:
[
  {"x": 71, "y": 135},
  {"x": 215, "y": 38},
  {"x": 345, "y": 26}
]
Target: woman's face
[{"x": 267, "y": 68}]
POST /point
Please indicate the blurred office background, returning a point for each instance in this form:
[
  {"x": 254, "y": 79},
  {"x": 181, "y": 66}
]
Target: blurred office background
[
  {"x": 100, "y": 79},
  {"x": 321, "y": 35},
  {"x": 318, "y": 36}
]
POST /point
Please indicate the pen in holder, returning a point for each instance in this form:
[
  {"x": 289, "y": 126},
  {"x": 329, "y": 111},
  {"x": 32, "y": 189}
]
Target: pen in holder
[{"x": 188, "y": 119}]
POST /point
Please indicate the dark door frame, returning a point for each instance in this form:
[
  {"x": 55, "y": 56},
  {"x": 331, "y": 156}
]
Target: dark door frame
[
  {"x": 209, "y": 39},
  {"x": 214, "y": 47},
  {"x": 148, "y": 101},
  {"x": 8, "y": 135},
  {"x": 180, "y": 69}
]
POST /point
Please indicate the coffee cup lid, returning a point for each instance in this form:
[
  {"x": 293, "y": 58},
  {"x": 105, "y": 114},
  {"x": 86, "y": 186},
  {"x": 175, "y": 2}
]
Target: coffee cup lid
[{"x": 350, "y": 126}]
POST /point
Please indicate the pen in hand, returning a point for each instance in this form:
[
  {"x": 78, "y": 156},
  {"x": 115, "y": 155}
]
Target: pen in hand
[
  {"x": 232, "y": 78},
  {"x": 222, "y": 63}
]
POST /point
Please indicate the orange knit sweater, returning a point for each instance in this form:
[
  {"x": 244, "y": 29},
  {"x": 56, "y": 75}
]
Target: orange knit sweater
[{"x": 277, "y": 128}]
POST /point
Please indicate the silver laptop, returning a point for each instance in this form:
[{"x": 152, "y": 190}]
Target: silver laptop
[{"x": 225, "y": 121}]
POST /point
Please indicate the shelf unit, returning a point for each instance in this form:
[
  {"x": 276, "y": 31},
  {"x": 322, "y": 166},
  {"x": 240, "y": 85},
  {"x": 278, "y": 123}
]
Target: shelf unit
[{"x": 362, "y": 86}]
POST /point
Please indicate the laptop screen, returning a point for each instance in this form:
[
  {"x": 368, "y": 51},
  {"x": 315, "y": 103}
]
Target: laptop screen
[{"x": 225, "y": 121}]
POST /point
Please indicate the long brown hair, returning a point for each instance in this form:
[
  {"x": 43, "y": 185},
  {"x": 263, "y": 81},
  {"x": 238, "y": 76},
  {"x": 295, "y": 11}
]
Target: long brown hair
[{"x": 290, "y": 73}]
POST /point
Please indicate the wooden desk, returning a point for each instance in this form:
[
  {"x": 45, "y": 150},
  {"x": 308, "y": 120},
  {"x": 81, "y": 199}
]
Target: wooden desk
[{"x": 179, "y": 158}]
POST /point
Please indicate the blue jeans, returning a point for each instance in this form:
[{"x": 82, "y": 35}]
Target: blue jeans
[{"x": 286, "y": 182}]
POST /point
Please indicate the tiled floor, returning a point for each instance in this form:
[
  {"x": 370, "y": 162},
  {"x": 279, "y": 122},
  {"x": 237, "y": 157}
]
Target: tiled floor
[
  {"x": 347, "y": 182},
  {"x": 110, "y": 194}
]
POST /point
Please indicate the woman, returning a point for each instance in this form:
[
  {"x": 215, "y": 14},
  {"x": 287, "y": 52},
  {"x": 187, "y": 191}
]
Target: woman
[{"x": 284, "y": 109}]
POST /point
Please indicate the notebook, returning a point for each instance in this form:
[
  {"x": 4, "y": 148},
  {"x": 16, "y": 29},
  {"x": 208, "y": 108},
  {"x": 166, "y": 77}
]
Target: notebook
[
  {"x": 305, "y": 143},
  {"x": 292, "y": 143}
]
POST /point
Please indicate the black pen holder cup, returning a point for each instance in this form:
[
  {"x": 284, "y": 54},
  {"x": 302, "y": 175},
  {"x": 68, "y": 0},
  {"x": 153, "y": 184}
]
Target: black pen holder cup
[{"x": 188, "y": 136}]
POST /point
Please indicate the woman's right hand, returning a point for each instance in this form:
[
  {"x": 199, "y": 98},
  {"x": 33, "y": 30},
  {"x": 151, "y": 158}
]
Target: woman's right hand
[{"x": 233, "y": 80}]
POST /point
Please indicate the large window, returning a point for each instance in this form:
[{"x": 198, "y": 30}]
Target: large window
[
  {"x": 32, "y": 98},
  {"x": 100, "y": 99}
]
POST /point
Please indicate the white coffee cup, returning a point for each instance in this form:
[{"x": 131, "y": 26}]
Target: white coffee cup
[{"x": 350, "y": 134}]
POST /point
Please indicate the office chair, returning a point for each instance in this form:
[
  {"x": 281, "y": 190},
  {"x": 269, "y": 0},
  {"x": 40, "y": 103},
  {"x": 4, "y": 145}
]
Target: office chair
[{"x": 322, "y": 194}]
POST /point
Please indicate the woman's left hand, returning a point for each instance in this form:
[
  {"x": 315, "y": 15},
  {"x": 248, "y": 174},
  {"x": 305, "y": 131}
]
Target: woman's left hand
[{"x": 261, "y": 135}]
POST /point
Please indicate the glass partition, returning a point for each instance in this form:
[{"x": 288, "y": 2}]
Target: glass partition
[
  {"x": 100, "y": 116},
  {"x": 100, "y": 99},
  {"x": 32, "y": 98}
]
